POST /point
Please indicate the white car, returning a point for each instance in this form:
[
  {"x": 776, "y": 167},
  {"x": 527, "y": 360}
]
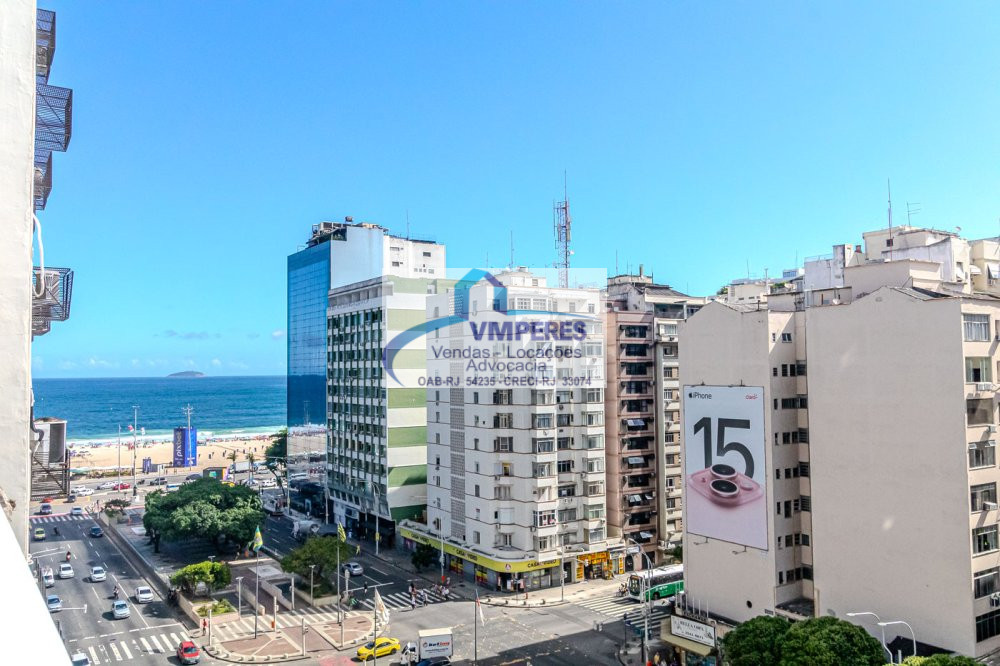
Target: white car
[
  {"x": 66, "y": 570},
  {"x": 143, "y": 595},
  {"x": 268, "y": 483},
  {"x": 120, "y": 610},
  {"x": 48, "y": 578},
  {"x": 76, "y": 511},
  {"x": 79, "y": 659},
  {"x": 98, "y": 574},
  {"x": 107, "y": 485},
  {"x": 354, "y": 568},
  {"x": 83, "y": 492}
]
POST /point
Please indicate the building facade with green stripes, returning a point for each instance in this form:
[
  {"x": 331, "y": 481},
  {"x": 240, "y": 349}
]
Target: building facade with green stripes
[{"x": 378, "y": 430}]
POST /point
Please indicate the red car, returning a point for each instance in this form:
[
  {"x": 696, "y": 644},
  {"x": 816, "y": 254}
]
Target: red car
[
  {"x": 187, "y": 653},
  {"x": 121, "y": 486}
]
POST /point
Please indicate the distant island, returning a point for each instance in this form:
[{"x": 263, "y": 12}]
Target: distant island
[{"x": 187, "y": 373}]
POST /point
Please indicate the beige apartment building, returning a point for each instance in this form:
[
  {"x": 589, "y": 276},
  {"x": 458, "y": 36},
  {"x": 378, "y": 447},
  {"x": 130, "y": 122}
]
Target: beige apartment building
[
  {"x": 879, "y": 426},
  {"x": 642, "y": 404}
]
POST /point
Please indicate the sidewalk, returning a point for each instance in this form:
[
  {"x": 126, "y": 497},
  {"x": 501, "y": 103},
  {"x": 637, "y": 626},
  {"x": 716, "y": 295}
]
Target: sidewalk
[{"x": 293, "y": 643}]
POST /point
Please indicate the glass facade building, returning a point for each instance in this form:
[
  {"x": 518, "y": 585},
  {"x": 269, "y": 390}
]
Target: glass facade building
[{"x": 308, "y": 288}]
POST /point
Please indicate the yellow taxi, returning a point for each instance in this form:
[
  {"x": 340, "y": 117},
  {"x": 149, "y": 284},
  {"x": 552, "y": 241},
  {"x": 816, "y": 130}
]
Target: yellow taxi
[
  {"x": 379, "y": 647},
  {"x": 39, "y": 533}
]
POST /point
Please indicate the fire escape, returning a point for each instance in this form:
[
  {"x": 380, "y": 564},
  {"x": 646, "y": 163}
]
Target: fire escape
[{"x": 52, "y": 288}]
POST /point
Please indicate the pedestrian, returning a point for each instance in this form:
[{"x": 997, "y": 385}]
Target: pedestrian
[
  {"x": 423, "y": 597},
  {"x": 204, "y": 627},
  {"x": 366, "y": 588},
  {"x": 413, "y": 602}
]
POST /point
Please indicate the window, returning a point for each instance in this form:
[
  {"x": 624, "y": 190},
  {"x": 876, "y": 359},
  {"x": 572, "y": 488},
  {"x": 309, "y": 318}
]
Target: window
[
  {"x": 986, "y": 582},
  {"x": 503, "y": 421},
  {"x": 504, "y": 444},
  {"x": 595, "y": 488},
  {"x": 786, "y": 337},
  {"x": 506, "y": 469},
  {"x": 595, "y": 512},
  {"x": 976, "y": 327},
  {"x": 595, "y": 465},
  {"x": 502, "y": 492},
  {"x": 982, "y": 454},
  {"x": 564, "y": 466},
  {"x": 475, "y": 537},
  {"x": 567, "y": 515},
  {"x": 564, "y": 397},
  {"x": 593, "y": 395},
  {"x": 806, "y": 502},
  {"x": 506, "y": 539},
  {"x": 543, "y": 542},
  {"x": 564, "y": 443},
  {"x": 987, "y": 625},
  {"x": 594, "y": 418},
  {"x": 567, "y": 491},
  {"x": 543, "y": 518},
  {"x": 596, "y": 535},
  {"x": 984, "y": 539},
  {"x": 981, "y": 494},
  {"x": 980, "y": 411},
  {"x": 977, "y": 369},
  {"x": 476, "y": 491},
  {"x": 541, "y": 420},
  {"x": 594, "y": 441},
  {"x": 543, "y": 445},
  {"x": 427, "y": 254},
  {"x": 541, "y": 469},
  {"x": 564, "y": 420}
]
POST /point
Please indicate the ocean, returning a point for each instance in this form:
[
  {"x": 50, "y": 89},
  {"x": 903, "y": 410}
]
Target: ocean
[{"x": 94, "y": 408}]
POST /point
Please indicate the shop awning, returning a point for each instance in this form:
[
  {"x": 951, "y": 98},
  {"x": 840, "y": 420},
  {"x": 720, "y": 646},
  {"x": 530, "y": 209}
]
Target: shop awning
[
  {"x": 635, "y": 423},
  {"x": 683, "y": 643},
  {"x": 636, "y": 460},
  {"x": 649, "y": 496},
  {"x": 645, "y": 535},
  {"x": 634, "y": 499},
  {"x": 993, "y": 269}
]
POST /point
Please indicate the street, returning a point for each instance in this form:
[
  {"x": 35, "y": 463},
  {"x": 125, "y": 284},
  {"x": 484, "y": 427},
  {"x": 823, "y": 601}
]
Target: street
[{"x": 149, "y": 636}]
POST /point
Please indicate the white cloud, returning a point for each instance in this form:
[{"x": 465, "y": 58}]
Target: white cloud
[
  {"x": 135, "y": 363},
  {"x": 239, "y": 365},
  {"x": 67, "y": 365},
  {"x": 216, "y": 363},
  {"x": 277, "y": 334},
  {"x": 97, "y": 362}
]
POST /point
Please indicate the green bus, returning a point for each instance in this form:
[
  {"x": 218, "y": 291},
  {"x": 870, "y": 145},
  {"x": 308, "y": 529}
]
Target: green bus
[{"x": 663, "y": 582}]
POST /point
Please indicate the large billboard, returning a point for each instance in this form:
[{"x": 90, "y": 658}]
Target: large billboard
[
  {"x": 725, "y": 476},
  {"x": 185, "y": 447}
]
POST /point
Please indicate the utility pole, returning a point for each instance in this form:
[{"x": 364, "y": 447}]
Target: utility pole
[
  {"x": 187, "y": 409},
  {"x": 119, "y": 457},
  {"x": 562, "y": 223},
  {"x": 135, "y": 445}
]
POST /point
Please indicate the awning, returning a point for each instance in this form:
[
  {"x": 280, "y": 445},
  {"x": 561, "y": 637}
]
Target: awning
[
  {"x": 636, "y": 460},
  {"x": 975, "y": 270},
  {"x": 683, "y": 643},
  {"x": 645, "y": 535},
  {"x": 635, "y": 423},
  {"x": 635, "y": 499},
  {"x": 993, "y": 269},
  {"x": 649, "y": 496}
]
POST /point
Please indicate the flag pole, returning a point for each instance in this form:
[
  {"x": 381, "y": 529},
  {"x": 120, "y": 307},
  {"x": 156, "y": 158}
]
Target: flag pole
[
  {"x": 475, "y": 631},
  {"x": 256, "y": 609}
]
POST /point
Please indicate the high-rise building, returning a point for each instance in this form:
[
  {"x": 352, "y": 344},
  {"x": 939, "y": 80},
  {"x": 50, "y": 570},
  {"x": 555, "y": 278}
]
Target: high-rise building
[
  {"x": 516, "y": 482},
  {"x": 857, "y": 471},
  {"x": 642, "y": 421}
]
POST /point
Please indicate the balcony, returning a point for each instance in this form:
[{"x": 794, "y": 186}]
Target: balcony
[
  {"x": 53, "y": 117},
  {"x": 51, "y": 296},
  {"x": 45, "y": 43},
  {"x": 43, "y": 178}
]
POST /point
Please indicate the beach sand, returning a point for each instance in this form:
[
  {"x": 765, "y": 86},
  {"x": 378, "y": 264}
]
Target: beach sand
[{"x": 210, "y": 454}]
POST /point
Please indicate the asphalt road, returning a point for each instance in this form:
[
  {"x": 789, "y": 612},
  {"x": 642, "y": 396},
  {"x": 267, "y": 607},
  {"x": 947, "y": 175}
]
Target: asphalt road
[{"x": 149, "y": 636}]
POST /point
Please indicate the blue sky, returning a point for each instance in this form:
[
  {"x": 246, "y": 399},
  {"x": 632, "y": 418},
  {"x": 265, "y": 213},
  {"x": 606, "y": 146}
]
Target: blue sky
[{"x": 699, "y": 138}]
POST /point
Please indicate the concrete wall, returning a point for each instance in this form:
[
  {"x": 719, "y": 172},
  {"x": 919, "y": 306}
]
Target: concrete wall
[
  {"x": 889, "y": 464},
  {"x": 17, "y": 145}
]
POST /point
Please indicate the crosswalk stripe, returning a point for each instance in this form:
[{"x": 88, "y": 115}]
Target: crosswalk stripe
[
  {"x": 156, "y": 644},
  {"x": 114, "y": 649},
  {"x": 93, "y": 656},
  {"x": 128, "y": 653},
  {"x": 174, "y": 640},
  {"x": 145, "y": 644}
]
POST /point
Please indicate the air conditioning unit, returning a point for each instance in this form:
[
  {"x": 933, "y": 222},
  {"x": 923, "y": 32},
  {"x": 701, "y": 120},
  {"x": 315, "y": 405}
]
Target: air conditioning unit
[
  {"x": 669, "y": 424},
  {"x": 672, "y": 338},
  {"x": 973, "y": 446},
  {"x": 991, "y": 428},
  {"x": 663, "y": 544},
  {"x": 989, "y": 506},
  {"x": 985, "y": 386}
]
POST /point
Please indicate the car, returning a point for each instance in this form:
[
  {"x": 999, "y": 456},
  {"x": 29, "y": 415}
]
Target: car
[
  {"x": 70, "y": 498},
  {"x": 192, "y": 477},
  {"x": 48, "y": 578},
  {"x": 171, "y": 487},
  {"x": 268, "y": 483},
  {"x": 96, "y": 532},
  {"x": 353, "y": 568},
  {"x": 79, "y": 659},
  {"x": 434, "y": 661},
  {"x": 66, "y": 570},
  {"x": 76, "y": 511},
  {"x": 187, "y": 653},
  {"x": 54, "y": 603},
  {"x": 120, "y": 610},
  {"x": 379, "y": 647},
  {"x": 98, "y": 574},
  {"x": 47, "y": 500},
  {"x": 83, "y": 492},
  {"x": 158, "y": 481},
  {"x": 143, "y": 595},
  {"x": 45, "y": 509},
  {"x": 38, "y": 534},
  {"x": 107, "y": 485},
  {"x": 124, "y": 485}
]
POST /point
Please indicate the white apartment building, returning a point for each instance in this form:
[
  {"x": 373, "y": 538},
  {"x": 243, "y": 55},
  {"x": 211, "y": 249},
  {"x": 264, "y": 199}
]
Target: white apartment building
[
  {"x": 516, "y": 482},
  {"x": 879, "y": 420},
  {"x": 377, "y": 426}
]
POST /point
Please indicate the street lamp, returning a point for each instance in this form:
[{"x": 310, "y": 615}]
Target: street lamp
[
  {"x": 239, "y": 597},
  {"x": 378, "y": 508},
  {"x": 913, "y": 635},
  {"x": 645, "y": 624},
  {"x": 312, "y": 568},
  {"x": 562, "y": 577},
  {"x": 879, "y": 621}
]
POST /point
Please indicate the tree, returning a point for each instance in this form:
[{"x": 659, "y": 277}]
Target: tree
[
  {"x": 756, "y": 642},
  {"x": 677, "y": 553},
  {"x": 276, "y": 454},
  {"x": 828, "y": 641},
  {"x": 940, "y": 660},
  {"x": 251, "y": 458},
  {"x": 213, "y": 574},
  {"x": 423, "y": 556},
  {"x": 116, "y": 506},
  {"x": 203, "y": 509},
  {"x": 320, "y": 551}
]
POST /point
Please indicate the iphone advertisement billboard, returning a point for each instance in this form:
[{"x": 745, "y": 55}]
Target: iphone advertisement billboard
[{"x": 725, "y": 478}]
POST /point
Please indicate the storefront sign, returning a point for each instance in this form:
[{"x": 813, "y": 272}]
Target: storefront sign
[
  {"x": 691, "y": 630},
  {"x": 481, "y": 560}
]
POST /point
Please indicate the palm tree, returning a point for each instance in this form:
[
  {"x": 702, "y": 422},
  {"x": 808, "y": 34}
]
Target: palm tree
[{"x": 250, "y": 460}]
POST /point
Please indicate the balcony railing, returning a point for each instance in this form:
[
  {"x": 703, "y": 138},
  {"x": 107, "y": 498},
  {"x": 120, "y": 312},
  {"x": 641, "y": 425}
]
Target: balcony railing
[{"x": 51, "y": 298}]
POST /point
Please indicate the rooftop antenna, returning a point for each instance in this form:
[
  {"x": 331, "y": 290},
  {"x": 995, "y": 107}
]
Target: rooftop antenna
[
  {"x": 407, "y": 224},
  {"x": 187, "y": 409},
  {"x": 888, "y": 185},
  {"x": 616, "y": 258},
  {"x": 561, "y": 223},
  {"x": 911, "y": 210}
]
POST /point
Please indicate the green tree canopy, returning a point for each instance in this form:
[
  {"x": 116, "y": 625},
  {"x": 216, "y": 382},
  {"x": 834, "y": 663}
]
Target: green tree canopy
[
  {"x": 213, "y": 574},
  {"x": 940, "y": 660},
  {"x": 828, "y": 641},
  {"x": 320, "y": 551},
  {"x": 115, "y": 506},
  {"x": 424, "y": 556},
  {"x": 275, "y": 455},
  {"x": 756, "y": 642},
  {"x": 203, "y": 509}
]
